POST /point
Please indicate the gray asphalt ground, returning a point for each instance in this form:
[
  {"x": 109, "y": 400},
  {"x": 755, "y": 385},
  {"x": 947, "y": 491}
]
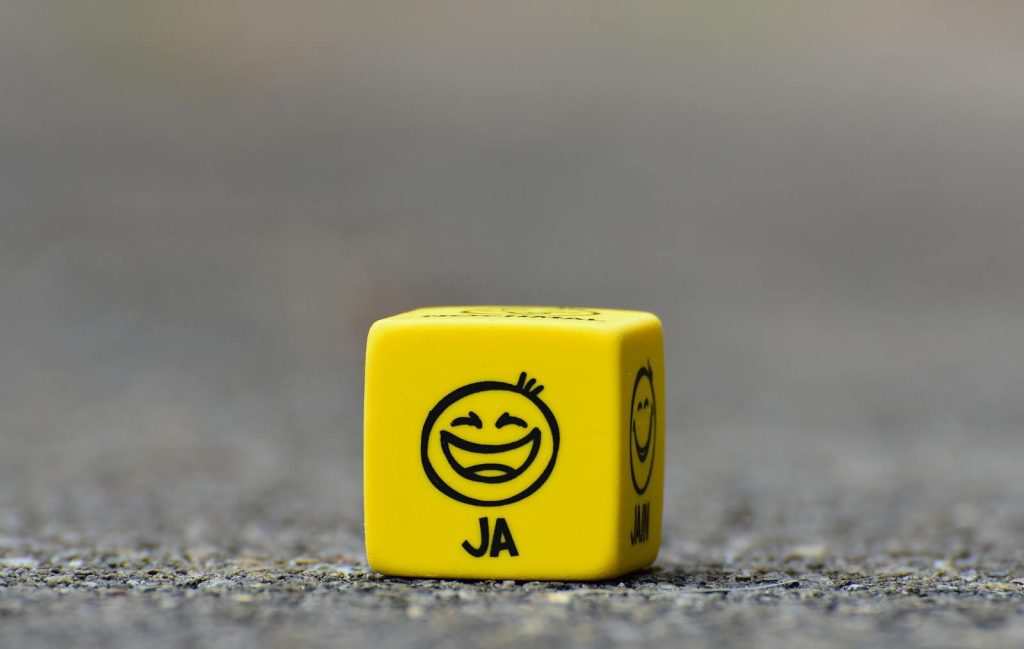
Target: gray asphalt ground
[
  {"x": 204, "y": 206},
  {"x": 792, "y": 541}
]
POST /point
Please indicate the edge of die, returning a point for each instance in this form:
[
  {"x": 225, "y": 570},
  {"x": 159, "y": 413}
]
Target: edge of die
[{"x": 624, "y": 319}]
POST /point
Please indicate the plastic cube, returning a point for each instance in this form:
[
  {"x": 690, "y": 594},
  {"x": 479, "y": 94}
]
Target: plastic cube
[{"x": 514, "y": 442}]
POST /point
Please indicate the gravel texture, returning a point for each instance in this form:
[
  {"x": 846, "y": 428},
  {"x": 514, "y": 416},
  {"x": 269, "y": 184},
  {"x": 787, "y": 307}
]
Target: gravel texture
[
  {"x": 809, "y": 539},
  {"x": 254, "y": 602}
]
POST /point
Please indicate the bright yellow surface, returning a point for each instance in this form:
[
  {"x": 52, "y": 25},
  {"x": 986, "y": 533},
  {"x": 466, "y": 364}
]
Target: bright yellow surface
[{"x": 499, "y": 442}]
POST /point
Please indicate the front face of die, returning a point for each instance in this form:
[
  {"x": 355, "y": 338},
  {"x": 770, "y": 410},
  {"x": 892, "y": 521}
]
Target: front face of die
[{"x": 494, "y": 449}]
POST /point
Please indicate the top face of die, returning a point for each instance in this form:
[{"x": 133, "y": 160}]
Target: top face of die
[{"x": 553, "y": 316}]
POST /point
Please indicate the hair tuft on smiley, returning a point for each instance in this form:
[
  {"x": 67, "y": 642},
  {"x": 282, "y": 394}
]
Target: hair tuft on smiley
[{"x": 528, "y": 386}]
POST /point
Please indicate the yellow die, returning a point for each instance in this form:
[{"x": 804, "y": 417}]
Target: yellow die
[{"x": 514, "y": 442}]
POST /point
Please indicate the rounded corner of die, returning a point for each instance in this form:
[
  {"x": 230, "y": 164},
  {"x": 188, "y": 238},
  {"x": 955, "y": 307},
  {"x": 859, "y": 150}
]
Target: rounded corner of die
[
  {"x": 379, "y": 329},
  {"x": 646, "y": 558},
  {"x": 649, "y": 323},
  {"x": 377, "y": 560}
]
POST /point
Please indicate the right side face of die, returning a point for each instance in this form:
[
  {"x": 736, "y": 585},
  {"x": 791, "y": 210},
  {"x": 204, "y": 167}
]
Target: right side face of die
[
  {"x": 642, "y": 459},
  {"x": 517, "y": 443}
]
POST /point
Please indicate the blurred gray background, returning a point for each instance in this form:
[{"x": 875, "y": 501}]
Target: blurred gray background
[{"x": 204, "y": 205}]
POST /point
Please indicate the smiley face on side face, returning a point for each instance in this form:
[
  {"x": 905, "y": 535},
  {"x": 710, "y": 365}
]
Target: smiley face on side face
[
  {"x": 490, "y": 443},
  {"x": 643, "y": 426}
]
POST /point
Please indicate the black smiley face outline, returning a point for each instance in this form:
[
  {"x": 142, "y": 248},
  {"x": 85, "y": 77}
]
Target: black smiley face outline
[
  {"x": 644, "y": 452},
  {"x": 474, "y": 473}
]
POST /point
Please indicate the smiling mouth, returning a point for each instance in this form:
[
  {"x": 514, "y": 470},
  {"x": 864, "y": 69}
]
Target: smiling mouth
[
  {"x": 499, "y": 460},
  {"x": 641, "y": 451}
]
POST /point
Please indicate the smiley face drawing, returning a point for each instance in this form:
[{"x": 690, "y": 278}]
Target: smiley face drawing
[
  {"x": 643, "y": 426},
  {"x": 490, "y": 443}
]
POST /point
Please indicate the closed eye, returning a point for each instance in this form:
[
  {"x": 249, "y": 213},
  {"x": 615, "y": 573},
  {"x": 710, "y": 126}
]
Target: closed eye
[
  {"x": 472, "y": 419},
  {"x": 507, "y": 419}
]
